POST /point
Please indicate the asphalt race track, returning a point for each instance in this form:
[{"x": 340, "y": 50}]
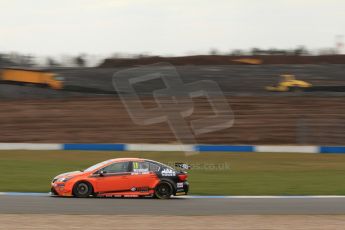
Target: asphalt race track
[{"x": 43, "y": 204}]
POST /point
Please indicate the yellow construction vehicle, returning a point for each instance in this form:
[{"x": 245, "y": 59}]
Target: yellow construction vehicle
[
  {"x": 30, "y": 76},
  {"x": 289, "y": 83},
  {"x": 249, "y": 61}
]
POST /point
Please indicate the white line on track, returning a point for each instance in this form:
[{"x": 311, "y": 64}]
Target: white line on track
[
  {"x": 199, "y": 197},
  {"x": 261, "y": 197},
  {"x": 23, "y": 194}
]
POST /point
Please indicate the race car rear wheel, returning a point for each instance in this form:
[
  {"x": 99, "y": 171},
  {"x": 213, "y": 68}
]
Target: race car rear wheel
[
  {"x": 164, "y": 190},
  {"x": 82, "y": 189}
]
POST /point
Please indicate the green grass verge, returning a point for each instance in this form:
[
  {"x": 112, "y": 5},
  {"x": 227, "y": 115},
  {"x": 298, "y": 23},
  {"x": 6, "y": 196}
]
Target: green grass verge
[{"x": 240, "y": 173}]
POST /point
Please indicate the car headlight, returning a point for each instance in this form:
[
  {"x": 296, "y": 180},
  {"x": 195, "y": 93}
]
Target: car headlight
[{"x": 64, "y": 179}]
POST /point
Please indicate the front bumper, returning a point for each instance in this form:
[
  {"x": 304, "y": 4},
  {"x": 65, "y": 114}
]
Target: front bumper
[{"x": 60, "y": 189}]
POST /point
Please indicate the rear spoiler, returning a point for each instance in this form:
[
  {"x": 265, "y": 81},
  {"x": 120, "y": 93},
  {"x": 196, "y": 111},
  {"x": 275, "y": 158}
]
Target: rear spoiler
[{"x": 183, "y": 166}]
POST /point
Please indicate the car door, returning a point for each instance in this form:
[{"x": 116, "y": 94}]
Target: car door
[
  {"x": 143, "y": 176},
  {"x": 113, "y": 178}
]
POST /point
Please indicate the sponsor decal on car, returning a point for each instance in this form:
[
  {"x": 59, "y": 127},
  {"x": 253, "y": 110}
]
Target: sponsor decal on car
[
  {"x": 140, "y": 173},
  {"x": 140, "y": 189},
  {"x": 168, "y": 172},
  {"x": 143, "y": 189},
  {"x": 179, "y": 185}
]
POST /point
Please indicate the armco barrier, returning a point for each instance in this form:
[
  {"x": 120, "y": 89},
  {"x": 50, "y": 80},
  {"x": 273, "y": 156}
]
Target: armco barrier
[
  {"x": 95, "y": 147},
  {"x": 286, "y": 149},
  {"x": 159, "y": 147},
  {"x": 332, "y": 149},
  {"x": 171, "y": 147},
  {"x": 224, "y": 148},
  {"x": 29, "y": 146}
]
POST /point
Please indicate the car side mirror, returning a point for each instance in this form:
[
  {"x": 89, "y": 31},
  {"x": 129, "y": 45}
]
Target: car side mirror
[{"x": 100, "y": 173}]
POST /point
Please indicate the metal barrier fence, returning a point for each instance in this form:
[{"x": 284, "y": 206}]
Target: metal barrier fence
[{"x": 171, "y": 147}]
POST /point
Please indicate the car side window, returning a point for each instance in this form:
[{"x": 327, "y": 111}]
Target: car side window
[
  {"x": 145, "y": 166},
  {"x": 116, "y": 167},
  {"x": 140, "y": 167},
  {"x": 154, "y": 167}
]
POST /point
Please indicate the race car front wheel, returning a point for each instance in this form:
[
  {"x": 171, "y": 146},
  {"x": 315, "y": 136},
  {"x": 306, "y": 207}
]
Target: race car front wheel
[
  {"x": 82, "y": 189},
  {"x": 163, "y": 190}
]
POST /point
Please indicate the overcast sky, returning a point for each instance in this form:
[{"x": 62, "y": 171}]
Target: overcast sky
[{"x": 54, "y": 27}]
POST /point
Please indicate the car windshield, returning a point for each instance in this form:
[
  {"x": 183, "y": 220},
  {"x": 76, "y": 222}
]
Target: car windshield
[{"x": 96, "y": 166}]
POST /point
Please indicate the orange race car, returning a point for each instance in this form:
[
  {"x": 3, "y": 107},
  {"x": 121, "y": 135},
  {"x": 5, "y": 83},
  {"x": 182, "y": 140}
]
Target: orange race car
[{"x": 123, "y": 177}]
